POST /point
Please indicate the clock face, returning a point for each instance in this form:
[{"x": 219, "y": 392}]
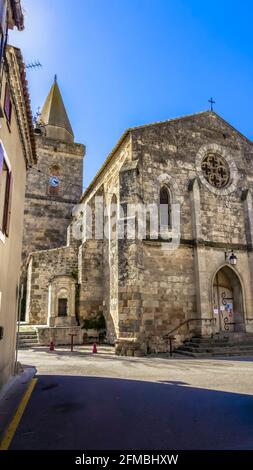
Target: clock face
[{"x": 54, "y": 181}]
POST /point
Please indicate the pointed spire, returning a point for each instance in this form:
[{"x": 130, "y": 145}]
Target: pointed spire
[{"x": 54, "y": 116}]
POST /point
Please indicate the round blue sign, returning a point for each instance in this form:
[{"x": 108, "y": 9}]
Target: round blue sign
[{"x": 54, "y": 181}]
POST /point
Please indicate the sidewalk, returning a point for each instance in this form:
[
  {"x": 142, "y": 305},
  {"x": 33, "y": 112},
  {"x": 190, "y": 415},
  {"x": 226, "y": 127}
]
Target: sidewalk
[{"x": 12, "y": 395}]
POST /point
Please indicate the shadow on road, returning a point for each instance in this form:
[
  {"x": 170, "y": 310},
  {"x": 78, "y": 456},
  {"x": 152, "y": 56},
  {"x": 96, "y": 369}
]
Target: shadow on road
[
  {"x": 107, "y": 352},
  {"x": 67, "y": 412}
]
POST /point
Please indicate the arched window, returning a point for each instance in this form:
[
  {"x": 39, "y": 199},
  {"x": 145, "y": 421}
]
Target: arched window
[
  {"x": 62, "y": 307},
  {"x": 165, "y": 208},
  {"x": 54, "y": 180},
  {"x": 55, "y": 170}
]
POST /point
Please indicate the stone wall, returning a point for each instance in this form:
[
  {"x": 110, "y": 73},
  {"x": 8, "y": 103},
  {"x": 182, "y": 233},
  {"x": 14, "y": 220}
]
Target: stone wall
[
  {"x": 169, "y": 292},
  {"x": 222, "y": 219},
  {"x": 158, "y": 289},
  {"x": 44, "y": 266},
  {"x": 91, "y": 292},
  {"x": 130, "y": 269},
  {"x": 46, "y": 224},
  {"x": 98, "y": 259},
  {"x": 143, "y": 287},
  {"x": 47, "y": 216},
  {"x": 59, "y": 335}
]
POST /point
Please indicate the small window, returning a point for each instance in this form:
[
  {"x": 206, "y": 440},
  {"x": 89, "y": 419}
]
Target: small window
[
  {"x": 7, "y": 105},
  {"x": 53, "y": 190},
  {"x": 5, "y": 194},
  {"x": 165, "y": 208},
  {"x": 62, "y": 307}
]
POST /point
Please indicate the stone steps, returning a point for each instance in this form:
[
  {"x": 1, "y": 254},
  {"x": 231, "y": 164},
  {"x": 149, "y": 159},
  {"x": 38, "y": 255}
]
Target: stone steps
[
  {"x": 216, "y": 350},
  {"x": 199, "y": 346},
  {"x": 27, "y": 336},
  {"x": 213, "y": 354},
  {"x": 27, "y": 339},
  {"x": 207, "y": 347},
  {"x": 211, "y": 344}
]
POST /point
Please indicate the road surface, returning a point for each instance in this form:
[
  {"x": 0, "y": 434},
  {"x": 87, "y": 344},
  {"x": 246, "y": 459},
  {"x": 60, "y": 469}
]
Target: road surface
[{"x": 94, "y": 402}]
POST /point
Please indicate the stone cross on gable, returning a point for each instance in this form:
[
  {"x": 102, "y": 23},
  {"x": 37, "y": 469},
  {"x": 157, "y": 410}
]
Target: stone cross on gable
[{"x": 212, "y": 102}]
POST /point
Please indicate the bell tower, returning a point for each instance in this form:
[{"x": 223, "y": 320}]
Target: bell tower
[{"x": 54, "y": 185}]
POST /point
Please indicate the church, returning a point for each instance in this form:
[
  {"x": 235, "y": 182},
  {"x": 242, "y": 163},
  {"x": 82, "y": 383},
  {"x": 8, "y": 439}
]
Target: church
[{"x": 182, "y": 267}]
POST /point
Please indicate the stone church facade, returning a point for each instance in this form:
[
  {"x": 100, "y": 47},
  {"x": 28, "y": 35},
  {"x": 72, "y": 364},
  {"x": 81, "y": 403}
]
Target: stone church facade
[{"x": 196, "y": 280}]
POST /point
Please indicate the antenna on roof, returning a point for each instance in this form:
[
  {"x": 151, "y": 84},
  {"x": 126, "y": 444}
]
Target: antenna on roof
[{"x": 34, "y": 65}]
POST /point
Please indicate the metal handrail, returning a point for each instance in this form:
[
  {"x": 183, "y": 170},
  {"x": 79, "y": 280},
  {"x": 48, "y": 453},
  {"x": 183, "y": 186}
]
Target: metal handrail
[
  {"x": 182, "y": 324},
  {"x": 170, "y": 338}
]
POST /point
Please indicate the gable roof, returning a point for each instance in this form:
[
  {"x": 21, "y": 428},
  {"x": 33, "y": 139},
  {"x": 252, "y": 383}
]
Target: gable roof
[{"x": 158, "y": 123}]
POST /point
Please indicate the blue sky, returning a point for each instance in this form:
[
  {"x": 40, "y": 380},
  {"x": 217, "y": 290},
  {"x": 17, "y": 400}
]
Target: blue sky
[{"x": 122, "y": 63}]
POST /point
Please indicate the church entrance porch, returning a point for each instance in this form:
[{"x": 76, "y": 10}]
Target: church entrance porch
[{"x": 228, "y": 310}]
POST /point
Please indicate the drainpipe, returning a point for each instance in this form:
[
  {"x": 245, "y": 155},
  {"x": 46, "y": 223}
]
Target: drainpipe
[{"x": 19, "y": 300}]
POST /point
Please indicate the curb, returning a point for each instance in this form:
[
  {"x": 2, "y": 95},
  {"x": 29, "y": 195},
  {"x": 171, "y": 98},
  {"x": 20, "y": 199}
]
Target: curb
[{"x": 12, "y": 395}]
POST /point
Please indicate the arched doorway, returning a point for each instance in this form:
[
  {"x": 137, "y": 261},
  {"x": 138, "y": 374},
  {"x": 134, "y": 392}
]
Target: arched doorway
[{"x": 228, "y": 308}]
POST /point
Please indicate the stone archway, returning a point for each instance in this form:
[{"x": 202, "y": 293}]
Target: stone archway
[{"x": 228, "y": 305}]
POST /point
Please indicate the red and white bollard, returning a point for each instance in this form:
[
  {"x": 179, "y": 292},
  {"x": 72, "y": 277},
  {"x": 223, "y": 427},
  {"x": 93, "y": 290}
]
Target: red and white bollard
[{"x": 94, "y": 349}]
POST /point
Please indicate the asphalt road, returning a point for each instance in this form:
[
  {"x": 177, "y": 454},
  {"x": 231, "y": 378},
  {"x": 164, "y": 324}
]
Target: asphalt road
[{"x": 83, "y": 411}]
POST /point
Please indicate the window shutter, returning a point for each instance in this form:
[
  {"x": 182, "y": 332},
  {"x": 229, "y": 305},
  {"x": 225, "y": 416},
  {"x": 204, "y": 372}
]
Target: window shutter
[{"x": 7, "y": 207}]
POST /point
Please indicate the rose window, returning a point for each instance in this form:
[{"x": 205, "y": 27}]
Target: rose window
[{"x": 215, "y": 170}]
